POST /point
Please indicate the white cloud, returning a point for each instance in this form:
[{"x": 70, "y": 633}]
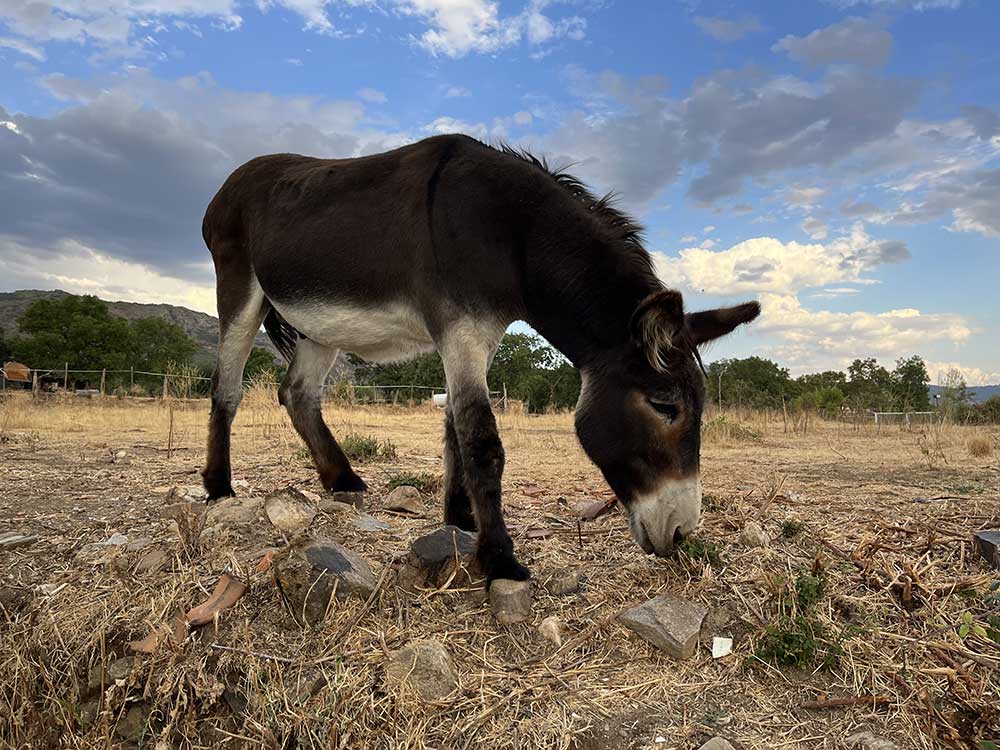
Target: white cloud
[
  {"x": 372, "y": 95},
  {"x": 804, "y": 197},
  {"x": 972, "y": 375},
  {"x": 455, "y": 92},
  {"x": 689, "y": 238},
  {"x": 707, "y": 244},
  {"x": 764, "y": 264},
  {"x": 854, "y": 40},
  {"x": 918, "y": 5},
  {"x": 816, "y": 229},
  {"x": 22, "y": 46},
  {"x": 709, "y": 228},
  {"x": 728, "y": 29}
]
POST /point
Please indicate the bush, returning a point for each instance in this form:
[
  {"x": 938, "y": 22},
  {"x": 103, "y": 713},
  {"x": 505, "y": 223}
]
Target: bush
[
  {"x": 425, "y": 482},
  {"x": 724, "y": 429},
  {"x": 363, "y": 448},
  {"x": 980, "y": 446}
]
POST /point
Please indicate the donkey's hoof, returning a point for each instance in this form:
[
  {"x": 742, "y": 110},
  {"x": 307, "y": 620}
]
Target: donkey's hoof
[
  {"x": 465, "y": 521},
  {"x": 505, "y": 567},
  {"x": 347, "y": 483},
  {"x": 217, "y": 488}
]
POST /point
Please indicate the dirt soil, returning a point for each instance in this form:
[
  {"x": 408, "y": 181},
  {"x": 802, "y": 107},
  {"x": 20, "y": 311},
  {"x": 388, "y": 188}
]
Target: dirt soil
[{"x": 869, "y": 591}]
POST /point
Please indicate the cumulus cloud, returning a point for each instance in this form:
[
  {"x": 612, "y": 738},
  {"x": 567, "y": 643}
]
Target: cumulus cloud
[
  {"x": 972, "y": 375},
  {"x": 728, "y": 29},
  {"x": 765, "y": 264},
  {"x": 454, "y": 92},
  {"x": 854, "y": 40},
  {"x": 374, "y": 96},
  {"x": 161, "y": 148},
  {"x": 815, "y": 228}
]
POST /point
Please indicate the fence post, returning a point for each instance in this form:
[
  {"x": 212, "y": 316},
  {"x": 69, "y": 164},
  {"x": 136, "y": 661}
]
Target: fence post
[
  {"x": 104, "y": 373},
  {"x": 164, "y": 387},
  {"x": 504, "y": 397},
  {"x": 34, "y": 383},
  {"x": 66, "y": 377},
  {"x": 131, "y": 379}
]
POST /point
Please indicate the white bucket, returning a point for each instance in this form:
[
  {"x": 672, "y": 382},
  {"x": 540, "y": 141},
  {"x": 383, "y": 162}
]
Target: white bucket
[{"x": 440, "y": 399}]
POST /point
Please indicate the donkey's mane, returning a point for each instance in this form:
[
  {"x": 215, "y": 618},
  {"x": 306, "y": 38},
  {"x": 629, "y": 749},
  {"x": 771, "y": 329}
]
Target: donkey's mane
[{"x": 622, "y": 226}]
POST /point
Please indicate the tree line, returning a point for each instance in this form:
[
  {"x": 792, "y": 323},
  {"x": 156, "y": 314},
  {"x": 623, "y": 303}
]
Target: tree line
[{"x": 81, "y": 332}]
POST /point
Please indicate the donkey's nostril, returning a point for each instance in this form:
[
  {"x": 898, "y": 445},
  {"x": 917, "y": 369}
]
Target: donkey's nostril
[{"x": 678, "y": 535}]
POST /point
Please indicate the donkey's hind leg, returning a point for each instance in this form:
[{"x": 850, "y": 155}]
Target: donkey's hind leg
[
  {"x": 457, "y": 505},
  {"x": 238, "y": 325},
  {"x": 301, "y": 394}
]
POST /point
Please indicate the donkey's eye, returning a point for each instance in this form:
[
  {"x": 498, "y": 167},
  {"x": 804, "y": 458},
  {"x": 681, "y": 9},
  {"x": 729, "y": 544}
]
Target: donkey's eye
[{"x": 668, "y": 410}]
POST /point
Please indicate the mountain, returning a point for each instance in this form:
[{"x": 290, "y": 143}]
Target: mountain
[{"x": 980, "y": 393}]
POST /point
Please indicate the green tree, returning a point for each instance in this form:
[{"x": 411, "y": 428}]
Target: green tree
[
  {"x": 78, "y": 331},
  {"x": 5, "y": 351},
  {"x": 157, "y": 343},
  {"x": 989, "y": 411},
  {"x": 909, "y": 384},
  {"x": 956, "y": 400},
  {"x": 260, "y": 361},
  {"x": 753, "y": 382},
  {"x": 819, "y": 380},
  {"x": 869, "y": 385}
]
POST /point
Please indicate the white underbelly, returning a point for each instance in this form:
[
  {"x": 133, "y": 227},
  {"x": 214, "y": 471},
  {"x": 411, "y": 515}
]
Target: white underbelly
[{"x": 379, "y": 334}]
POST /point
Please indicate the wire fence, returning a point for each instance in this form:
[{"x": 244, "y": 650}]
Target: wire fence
[{"x": 186, "y": 383}]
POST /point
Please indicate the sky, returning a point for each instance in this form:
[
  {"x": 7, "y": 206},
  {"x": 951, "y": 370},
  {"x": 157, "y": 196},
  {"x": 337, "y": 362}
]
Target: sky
[{"x": 839, "y": 160}]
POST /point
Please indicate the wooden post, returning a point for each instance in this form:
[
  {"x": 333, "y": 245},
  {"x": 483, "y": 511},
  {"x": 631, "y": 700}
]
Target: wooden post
[
  {"x": 164, "y": 387},
  {"x": 34, "y": 383},
  {"x": 66, "y": 377},
  {"x": 131, "y": 379},
  {"x": 104, "y": 373},
  {"x": 505, "y": 397}
]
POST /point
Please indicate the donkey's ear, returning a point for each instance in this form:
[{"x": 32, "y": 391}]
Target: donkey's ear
[
  {"x": 709, "y": 325},
  {"x": 655, "y": 323}
]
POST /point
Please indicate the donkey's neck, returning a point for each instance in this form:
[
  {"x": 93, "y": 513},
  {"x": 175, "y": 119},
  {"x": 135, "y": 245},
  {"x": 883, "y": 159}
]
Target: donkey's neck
[{"x": 580, "y": 295}]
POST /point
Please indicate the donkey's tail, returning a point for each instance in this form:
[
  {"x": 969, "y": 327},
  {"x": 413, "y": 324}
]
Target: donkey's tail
[{"x": 283, "y": 335}]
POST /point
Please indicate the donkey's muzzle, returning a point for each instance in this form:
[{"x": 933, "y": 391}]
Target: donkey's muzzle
[{"x": 660, "y": 520}]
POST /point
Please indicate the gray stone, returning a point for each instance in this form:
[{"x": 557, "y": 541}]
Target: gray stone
[
  {"x": 432, "y": 560},
  {"x": 86, "y": 712},
  {"x": 120, "y": 669},
  {"x": 866, "y": 740},
  {"x": 133, "y": 724},
  {"x": 13, "y": 540},
  {"x": 357, "y": 499},
  {"x": 310, "y": 575},
  {"x": 405, "y": 499},
  {"x": 988, "y": 544},
  {"x": 717, "y": 743},
  {"x": 231, "y": 518},
  {"x": 563, "y": 582},
  {"x": 152, "y": 562},
  {"x": 425, "y": 667},
  {"x": 138, "y": 544},
  {"x": 551, "y": 630},
  {"x": 366, "y": 522},
  {"x": 669, "y": 623},
  {"x": 191, "y": 492},
  {"x": 753, "y": 535},
  {"x": 289, "y": 510},
  {"x": 510, "y": 600}
]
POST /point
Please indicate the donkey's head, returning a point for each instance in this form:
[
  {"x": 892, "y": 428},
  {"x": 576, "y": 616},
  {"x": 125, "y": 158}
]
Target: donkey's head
[{"x": 639, "y": 415}]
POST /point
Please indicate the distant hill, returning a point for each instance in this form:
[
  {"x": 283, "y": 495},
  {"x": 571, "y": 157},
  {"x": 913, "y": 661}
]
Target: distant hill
[
  {"x": 980, "y": 393},
  {"x": 201, "y": 327}
]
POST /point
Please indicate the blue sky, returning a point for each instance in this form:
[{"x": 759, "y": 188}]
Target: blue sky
[{"x": 837, "y": 159}]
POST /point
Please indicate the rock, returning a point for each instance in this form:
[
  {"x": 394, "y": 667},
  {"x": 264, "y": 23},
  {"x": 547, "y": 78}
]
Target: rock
[
  {"x": 721, "y": 647},
  {"x": 405, "y": 499},
  {"x": 426, "y": 667},
  {"x": 121, "y": 457},
  {"x": 100, "y": 553},
  {"x": 717, "y": 743},
  {"x": 365, "y": 522},
  {"x": 115, "y": 540},
  {"x": 120, "y": 669},
  {"x": 866, "y": 740},
  {"x": 309, "y": 574},
  {"x": 132, "y": 725},
  {"x": 152, "y": 562},
  {"x": 510, "y": 600},
  {"x": 289, "y": 510},
  {"x": 432, "y": 559},
  {"x": 190, "y": 493},
  {"x": 138, "y": 544},
  {"x": 551, "y": 630},
  {"x": 753, "y": 535},
  {"x": 563, "y": 582},
  {"x": 12, "y": 601},
  {"x": 14, "y": 539},
  {"x": 357, "y": 499},
  {"x": 988, "y": 544},
  {"x": 225, "y": 519},
  {"x": 86, "y": 712},
  {"x": 669, "y": 623}
]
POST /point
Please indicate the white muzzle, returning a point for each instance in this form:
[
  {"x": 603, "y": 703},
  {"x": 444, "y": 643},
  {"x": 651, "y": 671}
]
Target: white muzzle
[{"x": 659, "y": 519}]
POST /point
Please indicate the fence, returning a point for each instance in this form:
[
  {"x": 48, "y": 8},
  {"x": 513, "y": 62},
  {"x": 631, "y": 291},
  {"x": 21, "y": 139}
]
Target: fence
[
  {"x": 905, "y": 419},
  {"x": 187, "y": 385}
]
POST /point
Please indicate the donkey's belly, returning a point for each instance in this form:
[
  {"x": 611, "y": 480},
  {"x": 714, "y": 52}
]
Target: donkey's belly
[{"x": 384, "y": 334}]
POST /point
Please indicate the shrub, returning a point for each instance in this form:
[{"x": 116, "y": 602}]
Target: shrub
[
  {"x": 367, "y": 448},
  {"x": 724, "y": 429},
  {"x": 980, "y": 446},
  {"x": 423, "y": 481}
]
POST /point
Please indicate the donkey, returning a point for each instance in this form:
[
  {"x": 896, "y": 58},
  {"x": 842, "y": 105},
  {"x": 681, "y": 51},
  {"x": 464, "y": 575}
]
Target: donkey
[{"x": 440, "y": 245}]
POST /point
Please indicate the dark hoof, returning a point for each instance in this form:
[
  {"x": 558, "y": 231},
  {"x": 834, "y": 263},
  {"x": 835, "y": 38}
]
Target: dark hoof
[
  {"x": 217, "y": 487},
  {"x": 347, "y": 483},
  {"x": 504, "y": 567}
]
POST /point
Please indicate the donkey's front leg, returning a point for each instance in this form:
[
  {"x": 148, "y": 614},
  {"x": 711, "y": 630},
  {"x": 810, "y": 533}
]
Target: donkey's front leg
[{"x": 482, "y": 463}]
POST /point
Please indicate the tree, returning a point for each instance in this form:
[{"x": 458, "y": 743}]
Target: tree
[
  {"x": 754, "y": 382},
  {"x": 819, "y": 380},
  {"x": 909, "y": 384},
  {"x": 262, "y": 361},
  {"x": 78, "y": 331},
  {"x": 955, "y": 397},
  {"x": 157, "y": 343},
  {"x": 869, "y": 385},
  {"x": 5, "y": 351}
]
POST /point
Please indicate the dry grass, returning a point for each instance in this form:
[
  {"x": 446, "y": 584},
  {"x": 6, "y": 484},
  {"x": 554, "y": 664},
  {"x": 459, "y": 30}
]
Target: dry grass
[
  {"x": 863, "y": 594},
  {"x": 980, "y": 446}
]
